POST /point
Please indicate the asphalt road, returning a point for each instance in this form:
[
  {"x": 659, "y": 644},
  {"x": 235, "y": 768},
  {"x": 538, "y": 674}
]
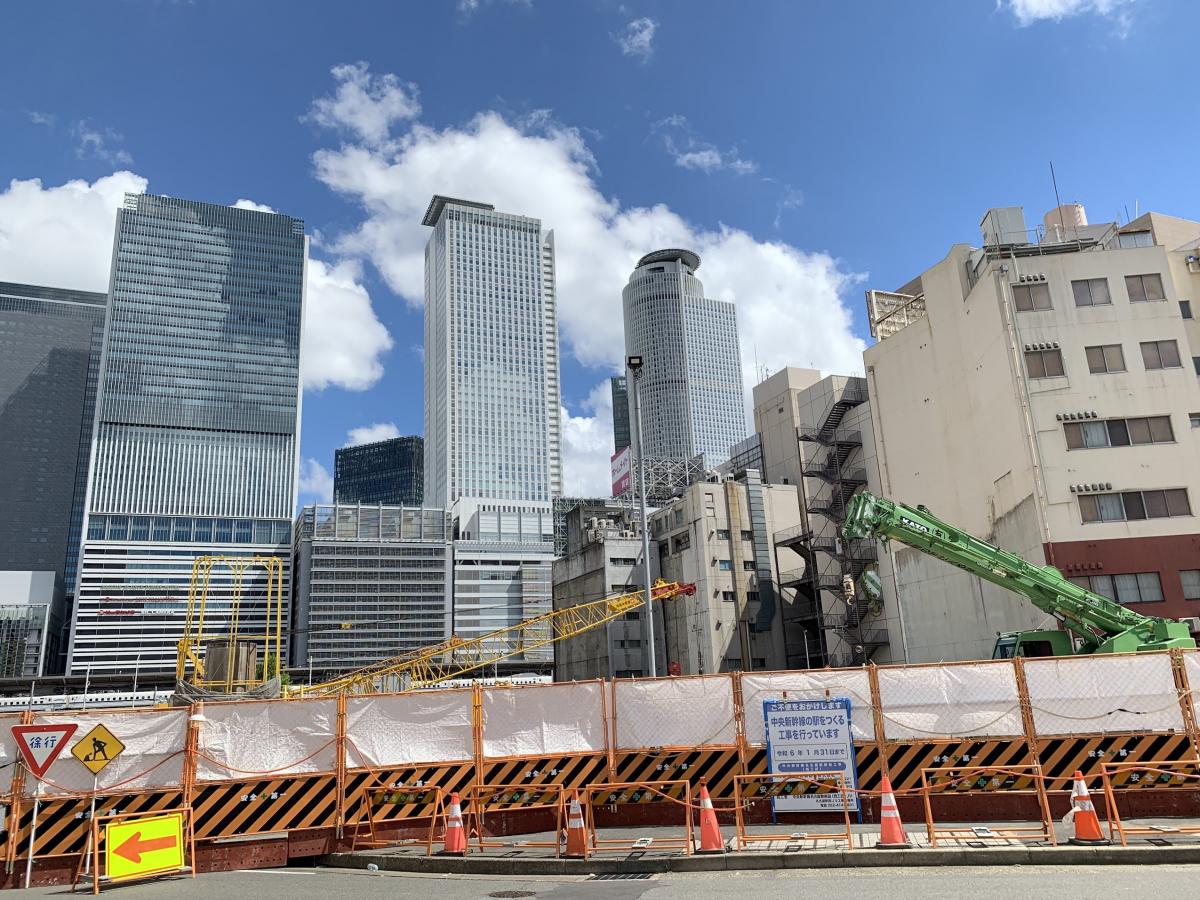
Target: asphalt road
[{"x": 979, "y": 883}]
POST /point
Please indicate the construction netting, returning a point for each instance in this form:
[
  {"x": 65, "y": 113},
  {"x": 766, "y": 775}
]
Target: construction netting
[
  {"x": 975, "y": 699},
  {"x": 152, "y": 757},
  {"x": 853, "y": 684},
  {"x": 1088, "y": 694},
  {"x": 675, "y": 712},
  {"x": 401, "y": 729},
  {"x": 278, "y": 737},
  {"x": 542, "y": 720}
]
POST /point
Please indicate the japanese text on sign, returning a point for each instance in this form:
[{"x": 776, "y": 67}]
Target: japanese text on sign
[{"x": 810, "y": 736}]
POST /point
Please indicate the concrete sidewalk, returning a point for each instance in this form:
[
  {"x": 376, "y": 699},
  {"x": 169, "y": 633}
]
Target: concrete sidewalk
[{"x": 795, "y": 847}]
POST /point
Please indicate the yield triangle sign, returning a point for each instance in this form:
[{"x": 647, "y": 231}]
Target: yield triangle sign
[{"x": 40, "y": 745}]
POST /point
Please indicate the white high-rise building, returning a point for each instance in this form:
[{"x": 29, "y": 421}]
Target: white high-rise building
[
  {"x": 691, "y": 387},
  {"x": 492, "y": 399}
]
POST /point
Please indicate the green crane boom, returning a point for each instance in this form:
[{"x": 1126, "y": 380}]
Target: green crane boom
[{"x": 1101, "y": 625}]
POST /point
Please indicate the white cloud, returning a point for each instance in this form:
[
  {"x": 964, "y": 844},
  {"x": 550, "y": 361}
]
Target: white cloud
[
  {"x": 691, "y": 152},
  {"x": 588, "y": 445},
  {"x": 636, "y": 39},
  {"x": 369, "y": 434},
  {"x": 250, "y": 204},
  {"x": 790, "y": 302},
  {"x": 467, "y": 8},
  {"x": 62, "y": 236},
  {"x": 100, "y": 143},
  {"x": 365, "y": 104},
  {"x": 343, "y": 338},
  {"x": 40, "y": 118},
  {"x": 1030, "y": 11},
  {"x": 316, "y": 484}
]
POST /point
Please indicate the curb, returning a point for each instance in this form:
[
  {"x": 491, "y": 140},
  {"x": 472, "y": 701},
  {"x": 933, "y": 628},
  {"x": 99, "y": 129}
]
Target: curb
[{"x": 741, "y": 862}]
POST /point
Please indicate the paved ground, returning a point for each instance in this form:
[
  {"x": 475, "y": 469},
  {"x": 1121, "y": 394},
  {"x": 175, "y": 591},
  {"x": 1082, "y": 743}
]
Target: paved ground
[{"x": 1109, "y": 882}]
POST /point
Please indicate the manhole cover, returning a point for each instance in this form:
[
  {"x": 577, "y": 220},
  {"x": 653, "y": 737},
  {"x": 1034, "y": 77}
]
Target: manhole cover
[{"x": 511, "y": 894}]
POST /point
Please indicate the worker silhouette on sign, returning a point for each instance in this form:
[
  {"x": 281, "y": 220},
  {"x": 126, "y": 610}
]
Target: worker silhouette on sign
[{"x": 99, "y": 748}]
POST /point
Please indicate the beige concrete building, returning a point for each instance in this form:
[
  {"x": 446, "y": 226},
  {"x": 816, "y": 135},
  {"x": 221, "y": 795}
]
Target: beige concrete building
[
  {"x": 1040, "y": 391},
  {"x": 603, "y": 557},
  {"x": 816, "y": 433},
  {"x": 720, "y": 536}
]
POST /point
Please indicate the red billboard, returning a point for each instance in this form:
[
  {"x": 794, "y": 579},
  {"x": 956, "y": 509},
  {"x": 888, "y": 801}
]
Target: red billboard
[{"x": 622, "y": 472}]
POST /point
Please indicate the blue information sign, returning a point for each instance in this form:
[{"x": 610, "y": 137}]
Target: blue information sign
[{"x": 811, "y": 736}]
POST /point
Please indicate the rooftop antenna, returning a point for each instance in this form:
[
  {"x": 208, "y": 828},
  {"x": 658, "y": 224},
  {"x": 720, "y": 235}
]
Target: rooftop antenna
[{"x": 1058, "y": 202}]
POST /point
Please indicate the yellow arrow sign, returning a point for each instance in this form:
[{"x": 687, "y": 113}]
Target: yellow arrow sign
[
  {"x": 97, "y": 748},
  {"x": 136, "y": 848}
]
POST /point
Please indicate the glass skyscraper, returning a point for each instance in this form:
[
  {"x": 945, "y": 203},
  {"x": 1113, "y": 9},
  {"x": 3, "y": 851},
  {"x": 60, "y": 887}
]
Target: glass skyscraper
[
  {"x": 50, "y": 342},
  {"x": 387, "y": 472},
  {"x": 197, "y": 422},
  {"x": 620, "y": 402},
  {"x": 691, "y": 387},
  {"x": 492, "y": 399}
]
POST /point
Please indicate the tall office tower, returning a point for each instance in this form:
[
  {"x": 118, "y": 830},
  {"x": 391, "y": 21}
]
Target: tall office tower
[
  {"x": 387, "y": 472},
  {"x": 50, "y": 342},
  {"x": 691, "y": 386},
  {"x": 620, "y": 402},
  {"x": 197, "y": 421},
  {"x": 492, "y": 400}
]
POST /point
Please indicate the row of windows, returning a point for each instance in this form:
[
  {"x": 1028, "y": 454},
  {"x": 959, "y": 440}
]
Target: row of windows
[
  {"x": 1104, "y": 358},
  {"x": 1089, "y": 292},
  {"x": 1131, "y": 506},
  {"x": 1119, "y": 432},
  {"x": 1140, "y": 587},
  {"x": 184, "y": 529}
]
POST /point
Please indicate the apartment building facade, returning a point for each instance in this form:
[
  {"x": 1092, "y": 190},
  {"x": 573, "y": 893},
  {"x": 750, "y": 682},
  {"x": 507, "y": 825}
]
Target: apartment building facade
[{"x": 1040, "y": 391}]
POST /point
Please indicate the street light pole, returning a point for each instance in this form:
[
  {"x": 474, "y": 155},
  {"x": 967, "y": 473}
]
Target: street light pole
[{"x": 634, "y": 365}]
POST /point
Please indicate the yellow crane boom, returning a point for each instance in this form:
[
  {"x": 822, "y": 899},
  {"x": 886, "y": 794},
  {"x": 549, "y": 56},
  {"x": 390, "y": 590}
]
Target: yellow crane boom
[{"x": 456, "y": 657}]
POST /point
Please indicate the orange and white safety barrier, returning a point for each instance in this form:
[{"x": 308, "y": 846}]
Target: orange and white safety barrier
[
  {"x": 454, "y": 843},
  {"x": 710, "y": 832},
  {"x": 892, "y": 834},
  {"x": 1082, "y": 815}
]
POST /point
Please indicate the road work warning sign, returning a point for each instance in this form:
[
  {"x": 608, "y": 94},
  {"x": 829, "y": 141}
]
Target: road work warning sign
[
  {"x": 135, "y": 848},
  {"x": 97, "y": 748},
  {"x": 811, "y": 736}
]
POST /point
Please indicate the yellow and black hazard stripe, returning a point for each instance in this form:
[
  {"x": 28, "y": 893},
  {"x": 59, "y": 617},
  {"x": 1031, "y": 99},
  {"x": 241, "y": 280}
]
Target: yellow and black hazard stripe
[
  {"x": 1062, "y": 757},
  {"x": 575, "y": 771},
  {"x": 795, "y": 786},
  {"x": 264, "y": 805},
  {"x": 409, "y": 780},
  {"x": 63, "y": 824},
  {"x": 717, "y": 766}
]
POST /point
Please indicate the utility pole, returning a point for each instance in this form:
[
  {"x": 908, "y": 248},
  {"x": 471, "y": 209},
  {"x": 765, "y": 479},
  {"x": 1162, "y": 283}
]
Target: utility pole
[{"x": 634, "y": 365}]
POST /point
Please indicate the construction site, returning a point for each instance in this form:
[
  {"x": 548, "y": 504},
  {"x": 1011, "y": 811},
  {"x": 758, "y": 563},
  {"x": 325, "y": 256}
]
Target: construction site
[{"x": 1082, "y": 736}]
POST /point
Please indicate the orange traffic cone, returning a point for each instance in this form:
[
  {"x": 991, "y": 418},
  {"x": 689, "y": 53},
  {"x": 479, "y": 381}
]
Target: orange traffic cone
[
  {"x": 455, "y": 841},
  {"x": 892, "y": 835},
  {"x": 710, "y": 832},
  {"x": 576, "y": 830},
  {"x": 1083, "y": 816}
]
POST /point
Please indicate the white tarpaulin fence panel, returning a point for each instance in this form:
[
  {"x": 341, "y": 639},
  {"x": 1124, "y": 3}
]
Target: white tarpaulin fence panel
[
  {"x": 153, "y": 755},
  {"x": 675, "y": 712},
  {"x": 818, "y": 685},
  {"x": 1078, "y": 695},
  {"x": 399, "y": 729},
  {"x": 536, "y": 721},
  {"x": 950, "y": 701},
  {"x": 1191, "y": 668},
  {"x": 8, "y": 751},
  {"x": 279, "y": 737}
]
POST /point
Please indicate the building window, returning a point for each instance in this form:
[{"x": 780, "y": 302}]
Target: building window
[
  {"x": 1144, "y": 287},
  {"x": 1196, "y": 364},
  {"x": 1189, "y": 580},
  {"x": 747, "y": 535},
  {"x": 1135, "y": 239},
  {"x": 1091, "y": 292},
  {"x": 1160, "y": 354},
  {"x": 1131, "y": 506},
  {"x": 1029, "y": 297},
  {"x": 1119, "y": 432},
  {"x": 1044, "y": 363},
  {"x": 722, "y": 534},
  {"x": 1185, "y": 308},
  {"x": 681, "y": 542},
  {"x": 1105, "y": 358},
  {"x": 724, "y": 565},
  {"x": 1138, "y": 587},
  {"x": 1194, "y": 418},
  {"x": 728, "y": 597},
  {"x": 622, "y": 561},
  {"x": 748, "y": 565}
]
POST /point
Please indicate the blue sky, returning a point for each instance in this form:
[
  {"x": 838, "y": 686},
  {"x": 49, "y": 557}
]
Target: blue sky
[{"x": 807, "y": 150}]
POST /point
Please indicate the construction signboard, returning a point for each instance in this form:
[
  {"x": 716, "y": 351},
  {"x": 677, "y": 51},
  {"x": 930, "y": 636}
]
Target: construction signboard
[
  {"x": 152, "y": 845},
  {"x": 40, "y": 745},
  {"x": 97, "y": 749},
  {"x": 811, "y": 736}
]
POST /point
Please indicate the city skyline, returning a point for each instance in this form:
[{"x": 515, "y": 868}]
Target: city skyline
[{"x": 619, "y": 151}]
